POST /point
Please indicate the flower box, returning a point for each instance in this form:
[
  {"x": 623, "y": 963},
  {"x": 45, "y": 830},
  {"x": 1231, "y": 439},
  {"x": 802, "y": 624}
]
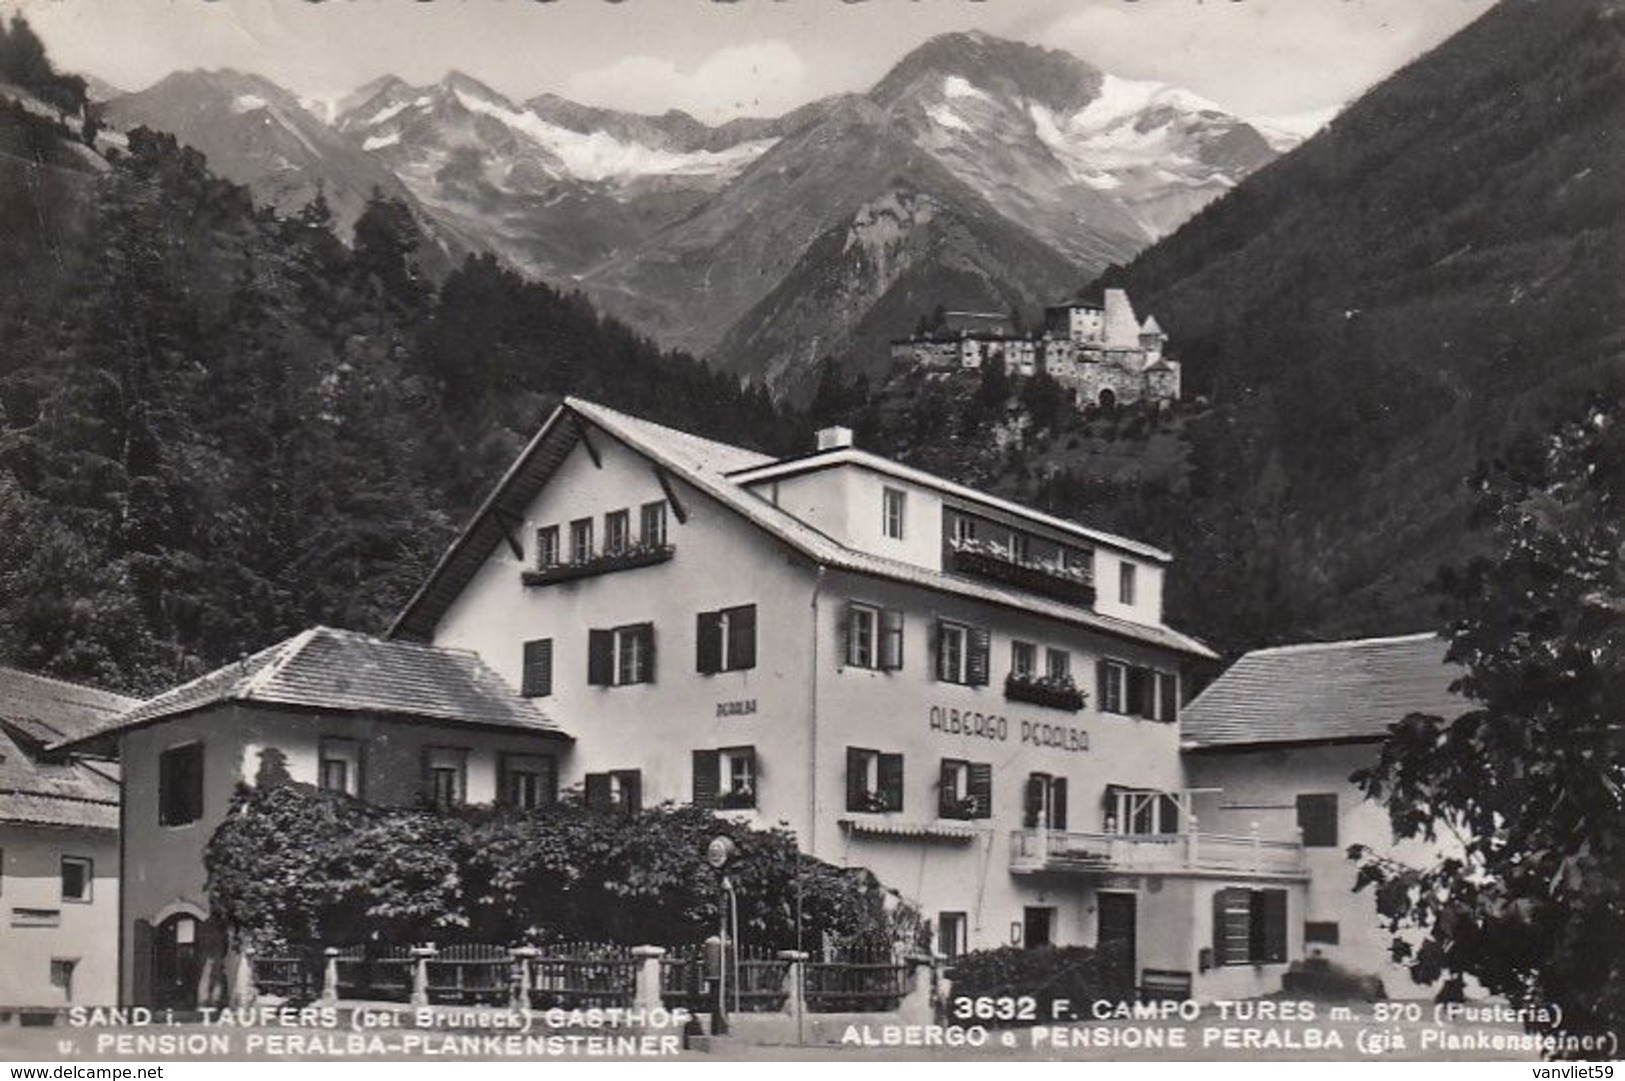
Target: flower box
[
  {"x": 604, "y": 563},
  {"x": 1045, "y": 691},
  {"x": 1074, "y": 585}
]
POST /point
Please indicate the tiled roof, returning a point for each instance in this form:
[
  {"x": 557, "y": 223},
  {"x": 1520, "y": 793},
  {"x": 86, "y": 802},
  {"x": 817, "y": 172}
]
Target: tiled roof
[
  {"x": 1323, "y": 691},
  {"x": 47, "y": 788},
  {"x": 706, "y": 465},
  {"x": 342, "y": 671}
]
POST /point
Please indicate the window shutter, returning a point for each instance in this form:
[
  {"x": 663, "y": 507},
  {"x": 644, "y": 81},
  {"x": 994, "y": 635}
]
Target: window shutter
[
  {"x": 947, "y": 799},
  {"x": 708, "y": 639},
  {"x": 742, "y": 637},
  {"x": 981, "y": 787},
  {"x": 1035, "y": 801},
  {"x": 936, "y": 649},
  {"x": 597, "y": 791},
  {"x": 1317, "y": 817},
  {"x": 1273, "y": 905},
  {"x": 1232, "y": 922},
  {"x": 632, "y": 785},
  {"x": 843, "y": 638},
  {"x": 537, "y": 678},
  {"x": 978, "y": 643},
  {"x": 1057, "y": 804},
  {"x": 891, "y": 781},
  {"x": 855, "y": 786},
  {"x": 1168, "y": 699},
  {"x": 891, "y": 639},
  {"x": 1102, "y": 676},
  {"x": 600, "y": 658},
  {"x": 707, "y": 778}
]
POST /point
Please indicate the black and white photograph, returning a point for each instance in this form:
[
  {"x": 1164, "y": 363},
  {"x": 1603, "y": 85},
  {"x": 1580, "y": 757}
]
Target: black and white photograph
[{"x": 841, "y": 531}]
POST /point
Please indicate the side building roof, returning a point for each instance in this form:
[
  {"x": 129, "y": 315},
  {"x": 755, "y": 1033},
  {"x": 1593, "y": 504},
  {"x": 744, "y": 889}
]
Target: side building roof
[
  {"x": 719, "y": 471},
  {"x": 43, "y": 788},
  {"x": 347, "y": 672},
  {"x": 1322, "y": 692}
]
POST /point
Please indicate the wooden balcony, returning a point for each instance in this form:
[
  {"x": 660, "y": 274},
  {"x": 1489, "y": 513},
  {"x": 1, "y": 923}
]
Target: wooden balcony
[
  {"x": 1071, "y": 585},
  {"x": 1044, "y": 691},
  {"x": 602, "y": 563},
  {"x": 1188, "y": 853}
]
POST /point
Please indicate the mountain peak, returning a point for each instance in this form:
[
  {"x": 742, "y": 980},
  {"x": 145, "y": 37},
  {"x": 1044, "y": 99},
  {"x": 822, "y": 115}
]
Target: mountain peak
[
  {"x": 1047, "y": 76},
  {"x": 466, "y": 83}
]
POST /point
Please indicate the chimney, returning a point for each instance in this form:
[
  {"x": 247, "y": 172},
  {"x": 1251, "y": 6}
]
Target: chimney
[{"x": 834, "y": 437}]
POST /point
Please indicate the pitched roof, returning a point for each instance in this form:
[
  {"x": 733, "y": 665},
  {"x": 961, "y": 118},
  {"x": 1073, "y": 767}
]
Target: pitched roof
[
  {"x": 343, "y": 671},
  {"x": 706, "y": 465},
  {"x": 1324, "y": 691},
  {"x": 40, "y": 788}
]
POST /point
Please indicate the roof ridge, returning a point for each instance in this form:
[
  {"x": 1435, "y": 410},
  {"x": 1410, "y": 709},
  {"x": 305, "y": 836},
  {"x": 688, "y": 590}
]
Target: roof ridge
[
  {"x": 1343, "y": 643},
  {"x": 287, "y": 650},
  {"x": 587, "y": 407},
  {"x": 58, "y": 681}
]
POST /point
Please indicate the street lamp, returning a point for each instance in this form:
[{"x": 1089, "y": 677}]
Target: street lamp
[{"x": 717, "y": 854}]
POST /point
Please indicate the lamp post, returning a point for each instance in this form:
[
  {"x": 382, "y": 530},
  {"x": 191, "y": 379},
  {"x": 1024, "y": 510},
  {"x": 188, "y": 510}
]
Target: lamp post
[{"x": 717, "y": 854}]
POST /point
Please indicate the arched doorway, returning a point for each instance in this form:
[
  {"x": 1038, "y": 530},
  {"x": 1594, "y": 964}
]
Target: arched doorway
[
  {"x": 1108, "y": 398},
  {"x": 176, "y": 962}
]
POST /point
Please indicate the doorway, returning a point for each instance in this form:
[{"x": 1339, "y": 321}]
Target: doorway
[
  {"x": 175, "y": 962},
  {"x": 1037, "y": 927},
  {"x": 1115, "y": 941}
]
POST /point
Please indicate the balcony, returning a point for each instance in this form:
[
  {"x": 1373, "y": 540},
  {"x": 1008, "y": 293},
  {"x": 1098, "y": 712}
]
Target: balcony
[
  {"x": 1054, "y": 692},
  {"x": 996, "y": 563},
  {"x": 641, "y": 555},
  {"x": 1189, "y": 853}
]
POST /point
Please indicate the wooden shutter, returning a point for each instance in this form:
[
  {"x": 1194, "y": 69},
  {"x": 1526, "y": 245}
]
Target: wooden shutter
[
  {"x": 936, "y": 649},
  {"x": 981, "y": 787},
  {"x": 1057, "y": 804},
  {"x": 1102, "y": 676},
  {"x": 891, "y": 639},
  {"x": 707, "y": 778},
  {"x": 978, "y": 643},
  {"x": 1035, "y": 801},
  {"x": 708, "y": 639},
  {"x": 843, "y": 637},
  {"x": 600, "y": 658},
  {"x": 537, "y": 678},
  {"x": 597, "y": 791},
  {"x": 947, "y": 798},
  {"x": 1317, "y": 817},
  {"x": 632, "y": 787},
  {"x": 1138, "y": 692},
  {"x": 1269, "y": 915},
  {"x": 856, "y": 782},
  {"x": 646, "y": 631},
  {"x": 1168, "y": 697},
  {"x": 742, "y": 637},
  {"x": 891, "y": 781},
  {"x": 1232, "y": 926}
]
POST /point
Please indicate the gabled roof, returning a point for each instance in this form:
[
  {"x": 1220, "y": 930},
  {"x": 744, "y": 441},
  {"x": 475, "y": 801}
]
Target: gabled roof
[
  {"x": 712, "y": 468},
  {"x": 345, "y": 672},
  {"x": 1349, "y": 691},
  {"x": 50, "y": 789}
]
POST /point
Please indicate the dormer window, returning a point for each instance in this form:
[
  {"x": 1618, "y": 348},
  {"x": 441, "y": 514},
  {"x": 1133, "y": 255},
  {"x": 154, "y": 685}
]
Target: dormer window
[
  {"x": 581, "y": 540},
  {"x": 617, "y": 531},
  {"x": 892, "y": 502},
  {"x": 547, "y": 546},
  {"x": 1125, "y": 583}
]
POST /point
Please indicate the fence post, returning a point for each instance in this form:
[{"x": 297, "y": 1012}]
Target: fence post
[
  {"x": 917, "y": 1007},
  {"x": 330, "y": 976},
  {"x": 420, "y": 973},
  {"x": 646, "y": 985},
  {"x": 243, "y": 991},
  {"x": 519, "y": 978},
  {"x": 795, "y": 988}
]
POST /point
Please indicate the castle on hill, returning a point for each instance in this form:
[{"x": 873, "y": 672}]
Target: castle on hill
[{"x": 1100, "y": 351}]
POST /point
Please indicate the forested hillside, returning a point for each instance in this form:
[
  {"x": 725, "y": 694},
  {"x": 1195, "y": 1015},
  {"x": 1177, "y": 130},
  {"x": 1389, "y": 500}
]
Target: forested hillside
[{"x": 218, "y": 425}]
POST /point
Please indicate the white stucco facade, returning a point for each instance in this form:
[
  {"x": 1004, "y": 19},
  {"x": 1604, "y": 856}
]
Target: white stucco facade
[{"x": 59, "y": 944}]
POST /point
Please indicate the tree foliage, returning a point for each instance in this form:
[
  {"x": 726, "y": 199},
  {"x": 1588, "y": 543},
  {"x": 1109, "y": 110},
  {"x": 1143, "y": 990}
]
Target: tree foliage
[{"x": 1525, "y": 791}]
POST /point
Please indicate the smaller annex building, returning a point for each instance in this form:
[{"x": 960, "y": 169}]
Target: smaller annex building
[
  {"x": 59, "y": 846},
  {"x": 394, "y": 723},
  {"x": 1269, "y": 748}
]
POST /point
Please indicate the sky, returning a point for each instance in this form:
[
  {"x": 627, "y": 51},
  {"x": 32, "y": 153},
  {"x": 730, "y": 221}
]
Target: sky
[{"x": 1282, "y": 60}]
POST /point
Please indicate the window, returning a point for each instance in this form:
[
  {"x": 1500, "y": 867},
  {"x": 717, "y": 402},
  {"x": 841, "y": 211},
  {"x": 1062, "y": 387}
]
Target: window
[
  {"x": 339, "y": 766},
  {"x": 1037, "y": 926},
  {"x": 1324, "y": 932},
  {"x": 1125, "y": 583},
  {"x": 1138, "y": 692},
  {"x": 619, "y": 791},
  {"x": 1046, "y": 802},
  {"x": 536, "y": 674},
  {"x": 726, "y": 640},
  {"x": 581, "y": 540},
  {"x": 77, "y": 875},
  {"x": 1058, "y": 664},
  {"x": 617, "y": 531},
  {"x": 1023, "y": 659},
  {"x": 62, "y": 975},
  {"x": 1317, "y": 818},
  {"x": 652, "y": 524},
  {"x": 180, "y": 785},
  {"x": 725, "y": 778},
  {"x": 528, "y": 781},
  {"x": 963, "y": 529},
  {"x": 621, "y": 655},
  {"x": 874, "y": 781},
  {"x": 862, "y": 629},
  {"x": 962, "y": 653},
  {"x": 951, "y": 933},
  {"x": 445, "y": 776},
  {"x": 1111, "y": 687},
  {"x": 1249, "y": 927},
  {"x": 892, "y": 502},
  {"x": 547, "y": 546},
  {"x": 965, "y": 789}
]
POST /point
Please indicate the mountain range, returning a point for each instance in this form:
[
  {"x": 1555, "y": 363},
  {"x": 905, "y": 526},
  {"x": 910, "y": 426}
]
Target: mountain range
[{"x": 978, "y": 173}]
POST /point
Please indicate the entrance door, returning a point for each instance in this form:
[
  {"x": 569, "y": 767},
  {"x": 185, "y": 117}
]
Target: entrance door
[
  {"x": 175, "y": 963},
  {"x": 1115, "y": 942},
  {"x": 1035, "y": 928}
]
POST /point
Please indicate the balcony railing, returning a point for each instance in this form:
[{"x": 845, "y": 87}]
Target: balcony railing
[
  {"x": 1164, "y": 853},
  {"x": 641, "y": 555},
  {"x": 1052, "y": 691},
  {"x": 1053, "y": 579}
]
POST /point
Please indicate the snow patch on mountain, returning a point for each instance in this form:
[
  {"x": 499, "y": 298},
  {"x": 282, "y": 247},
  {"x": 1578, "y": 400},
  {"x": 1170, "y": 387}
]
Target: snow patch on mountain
[
  {"x": 378, "y": 142},
  {"x": 247, "y": 103},
  {"x": 945, "y": 117},
  {"x": 957, "y": 86}
]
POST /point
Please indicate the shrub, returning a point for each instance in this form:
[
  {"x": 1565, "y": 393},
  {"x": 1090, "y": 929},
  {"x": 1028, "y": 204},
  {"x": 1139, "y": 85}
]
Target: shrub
[{"x": 1077, "y": 974}]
